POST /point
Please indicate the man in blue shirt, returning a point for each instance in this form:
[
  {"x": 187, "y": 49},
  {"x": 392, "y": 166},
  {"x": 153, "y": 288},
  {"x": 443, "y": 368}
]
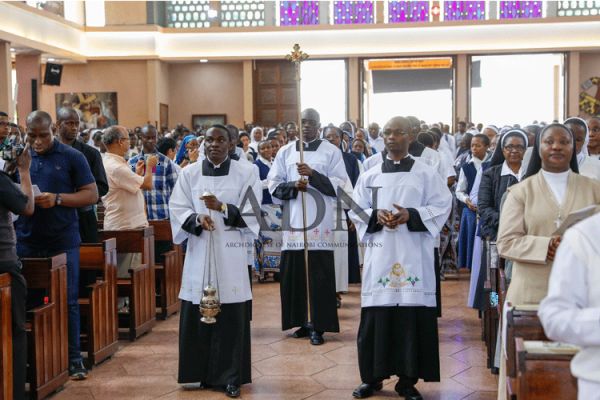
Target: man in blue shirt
[{"x": 63, "y": 176}]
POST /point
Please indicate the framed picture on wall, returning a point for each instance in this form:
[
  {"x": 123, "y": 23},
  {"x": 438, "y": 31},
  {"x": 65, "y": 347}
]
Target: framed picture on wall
[
  {"x": 95, "y": 109},
  {"x": 205, "y": 121}
]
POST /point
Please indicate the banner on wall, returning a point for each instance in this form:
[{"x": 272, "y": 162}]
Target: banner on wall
[{"x": 96, "y": 110}]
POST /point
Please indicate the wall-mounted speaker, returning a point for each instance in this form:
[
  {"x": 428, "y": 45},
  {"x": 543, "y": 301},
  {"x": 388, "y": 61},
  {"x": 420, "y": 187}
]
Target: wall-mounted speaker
[{"x": 53, "y": 74}]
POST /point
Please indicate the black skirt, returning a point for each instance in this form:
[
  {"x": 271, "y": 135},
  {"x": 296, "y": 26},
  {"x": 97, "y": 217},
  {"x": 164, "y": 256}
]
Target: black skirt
[
  {"x": 323, "y": 308},
  {"x": 400, "y": 341},
  {"x": 217, "y": 354}
]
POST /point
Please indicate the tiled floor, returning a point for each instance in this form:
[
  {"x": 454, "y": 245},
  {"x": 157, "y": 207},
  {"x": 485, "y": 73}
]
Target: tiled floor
[{"x": 287, "y": 368}]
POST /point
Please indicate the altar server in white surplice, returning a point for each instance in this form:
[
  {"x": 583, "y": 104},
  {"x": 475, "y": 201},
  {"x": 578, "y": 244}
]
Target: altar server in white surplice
[
  {"x": 324, "y": 167},
  {"x": 219, "y": 354},
  {"x": 401, "y": 206},
  {"x": 571, "y": 311}
]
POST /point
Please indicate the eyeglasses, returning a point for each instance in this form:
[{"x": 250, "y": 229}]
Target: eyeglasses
[{"x": 514, "y": 148}]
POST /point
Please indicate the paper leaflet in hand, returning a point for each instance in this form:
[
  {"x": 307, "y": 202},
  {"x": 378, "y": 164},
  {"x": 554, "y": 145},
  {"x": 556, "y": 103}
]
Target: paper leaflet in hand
[{"x": 575, "y": 217}]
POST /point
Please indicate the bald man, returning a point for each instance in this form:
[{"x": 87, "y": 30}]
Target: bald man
[
  {"x": 68, "y": 127},
  {"x": 65, "y": 180},
  {"x": 320, "y": 175}
]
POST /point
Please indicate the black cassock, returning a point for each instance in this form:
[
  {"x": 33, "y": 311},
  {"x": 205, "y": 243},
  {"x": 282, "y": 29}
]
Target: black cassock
[
  {"x": 323, "y": 305},
  {"x": 325, "y": 157},
  {"x": 399, "y": 340},
  {"x": 216, "y": 354}
]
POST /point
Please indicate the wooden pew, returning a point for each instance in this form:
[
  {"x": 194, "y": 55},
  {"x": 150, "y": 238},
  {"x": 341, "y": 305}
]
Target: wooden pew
[
  {"x": 100, "y": 323},
  {"x": 6, "y": 367},
  {"x": 544, "y": 370},
  {"x": 491, "y": 314},
  {"x": 168, "y": 273},
  {"x": 47, "y": 335},
  {"x": 140, "y": 286},
  {"x": 522, "y": 322}
]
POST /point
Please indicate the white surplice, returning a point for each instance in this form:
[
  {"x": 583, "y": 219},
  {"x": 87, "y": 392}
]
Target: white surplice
[
  {"x": 229, "y": 242},
  {"x": 399, "y": 264},
  {"x": 326, "y": 160},
  {"x": 571, "y": 311}
]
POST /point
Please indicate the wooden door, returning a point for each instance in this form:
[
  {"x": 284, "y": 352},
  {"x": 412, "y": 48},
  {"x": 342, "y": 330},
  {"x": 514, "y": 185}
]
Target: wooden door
[{"x": 274, "y": 93}]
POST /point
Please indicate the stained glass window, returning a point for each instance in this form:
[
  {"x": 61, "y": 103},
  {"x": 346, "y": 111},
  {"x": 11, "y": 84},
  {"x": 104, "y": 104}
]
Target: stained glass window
[
  {"x": 189, "y": 14},
  {"x": 298, "y": 13},
  {"x": 352, "y": 12},
  {"x": 520, "y": 9},
  {"x": 578, "y": 8},
  {"x": 464, "y": 10},
  {"x": 242, "y": 13},
  {"x": 408, "y": 11}
]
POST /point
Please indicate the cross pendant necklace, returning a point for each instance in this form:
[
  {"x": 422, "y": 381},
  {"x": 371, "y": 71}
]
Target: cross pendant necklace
[{"x": 558, "y": 220}]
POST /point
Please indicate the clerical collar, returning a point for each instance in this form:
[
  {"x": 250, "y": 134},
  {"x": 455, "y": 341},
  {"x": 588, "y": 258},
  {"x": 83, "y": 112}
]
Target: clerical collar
[
  {"x": 391, "y": 166},
  {"x": 210, "y": 169},
  {"x": 388, "y": 158},
  {"x": 313, "y": 145},
  {"x": 415, "y": 149}
]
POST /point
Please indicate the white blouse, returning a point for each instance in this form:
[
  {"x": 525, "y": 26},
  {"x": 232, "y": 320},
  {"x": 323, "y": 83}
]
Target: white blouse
[{"x": 558, "y": 184}]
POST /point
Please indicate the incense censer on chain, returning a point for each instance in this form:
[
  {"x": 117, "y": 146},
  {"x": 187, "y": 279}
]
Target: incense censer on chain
[{"x": 210, "y": 305}]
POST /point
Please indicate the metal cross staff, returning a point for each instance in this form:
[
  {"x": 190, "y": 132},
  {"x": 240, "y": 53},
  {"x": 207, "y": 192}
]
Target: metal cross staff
[{"x": 296, "y": 57}]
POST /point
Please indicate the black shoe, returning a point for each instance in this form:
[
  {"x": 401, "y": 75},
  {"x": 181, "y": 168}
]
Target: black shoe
[
  {"x": 365, "y": 390},
  {"x": 316, "y": 338},
  {"x": 301, "y": 332},
  {"x": 409, "y": 393},
  {"x": 77, "y": 370},
  {"x": 232, "y": 391}
]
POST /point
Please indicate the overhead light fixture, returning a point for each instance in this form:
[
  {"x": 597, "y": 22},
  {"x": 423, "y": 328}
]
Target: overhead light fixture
[
  {"x": 51, "y": 59},
  {"x": 12, "y": 49},
  {"x": 212, "y": 13},
  {"x": 204, "y": 60}
]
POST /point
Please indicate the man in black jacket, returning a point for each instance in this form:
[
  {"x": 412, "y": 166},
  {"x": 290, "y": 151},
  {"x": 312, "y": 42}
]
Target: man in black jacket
[
  {"x": 19, "y": 201},
  {"x": 68, "y": 126}
]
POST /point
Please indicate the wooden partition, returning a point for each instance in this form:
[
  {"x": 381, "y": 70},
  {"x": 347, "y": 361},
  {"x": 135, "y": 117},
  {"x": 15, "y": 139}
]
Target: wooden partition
[
  {"x": 522, "y": 322},
  {"x": 47, "y": 335},
  {"x": 168, "y": 272},
  {"x": 544, "y": 372},
  {"x": 6, "y": 368},
  {"x": 140, "y": 286},
  {"x": 100, "y": 332}
]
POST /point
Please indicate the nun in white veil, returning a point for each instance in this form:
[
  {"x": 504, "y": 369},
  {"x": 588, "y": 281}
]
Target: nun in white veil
[{"x": 588, "y": 166}]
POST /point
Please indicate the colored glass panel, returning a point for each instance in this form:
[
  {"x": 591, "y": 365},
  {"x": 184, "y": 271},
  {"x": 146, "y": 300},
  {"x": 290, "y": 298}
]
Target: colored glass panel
[
  {"x": 520, "y": 9},
  {"x": 408, "y": 11},
  {"x": 352, "y": 12},
  {"x": 292, "y": 13},
  {"x": 464, "y": 10}
]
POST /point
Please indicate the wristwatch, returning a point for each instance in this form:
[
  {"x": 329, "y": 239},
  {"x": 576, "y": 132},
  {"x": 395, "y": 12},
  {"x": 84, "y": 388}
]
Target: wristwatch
[
  {"x": 223, "y": 207},
  {"x": 58, "y": 201}
]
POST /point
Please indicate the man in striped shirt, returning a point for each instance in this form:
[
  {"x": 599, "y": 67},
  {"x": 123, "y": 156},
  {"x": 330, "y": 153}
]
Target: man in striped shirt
[{"x": 164, "y": 176}]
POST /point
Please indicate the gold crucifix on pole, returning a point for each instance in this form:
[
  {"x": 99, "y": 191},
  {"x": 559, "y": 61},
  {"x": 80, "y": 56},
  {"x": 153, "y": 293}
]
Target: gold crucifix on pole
[{"x": 296, "y": 57}]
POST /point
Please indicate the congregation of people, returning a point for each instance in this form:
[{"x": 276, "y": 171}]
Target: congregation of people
[{"x": 396, "y": 208}]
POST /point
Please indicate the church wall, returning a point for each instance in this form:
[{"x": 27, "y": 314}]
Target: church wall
[
  {"x": 125, "y": 12},
  {"x": 209, "y": 88},
  {"x": 127, "y": 78},
  {"x": 589, "y": 66}
]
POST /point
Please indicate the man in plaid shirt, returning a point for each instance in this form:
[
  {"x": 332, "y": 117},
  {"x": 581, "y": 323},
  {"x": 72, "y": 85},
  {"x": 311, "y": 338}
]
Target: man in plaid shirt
[{"x": 164, "y": 177}]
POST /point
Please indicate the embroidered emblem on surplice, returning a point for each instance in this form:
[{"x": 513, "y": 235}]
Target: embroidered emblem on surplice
[{"x": 397, "y": 278}]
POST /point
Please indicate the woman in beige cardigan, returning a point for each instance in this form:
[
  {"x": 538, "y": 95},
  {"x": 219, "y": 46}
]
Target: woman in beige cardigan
[{"x": 534, "y": 208}]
